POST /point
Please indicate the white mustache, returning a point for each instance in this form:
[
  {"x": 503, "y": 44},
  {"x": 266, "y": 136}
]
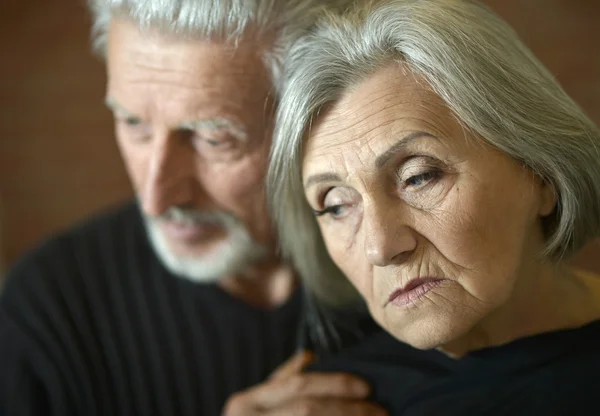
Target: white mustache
[{"x": 191, "y": 217}]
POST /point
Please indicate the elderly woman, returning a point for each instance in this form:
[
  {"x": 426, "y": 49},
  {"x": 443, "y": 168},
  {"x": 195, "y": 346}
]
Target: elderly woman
[{"x": 448, "y": 176}]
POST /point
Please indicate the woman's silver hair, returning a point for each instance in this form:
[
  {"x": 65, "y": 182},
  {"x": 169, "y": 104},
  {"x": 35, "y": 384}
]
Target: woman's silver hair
[
  {"x": 493, "y": 84},
  {"x": 280, "y": 22}
]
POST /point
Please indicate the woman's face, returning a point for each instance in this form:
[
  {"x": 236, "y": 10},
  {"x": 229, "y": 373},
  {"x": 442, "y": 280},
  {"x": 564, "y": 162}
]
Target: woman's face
[{"x": 433, "y": 227}]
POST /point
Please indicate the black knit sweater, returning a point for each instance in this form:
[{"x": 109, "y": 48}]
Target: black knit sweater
[{"x": 92, "y": 324}]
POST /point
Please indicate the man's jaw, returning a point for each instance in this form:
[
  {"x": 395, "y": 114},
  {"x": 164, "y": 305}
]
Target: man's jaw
[{"x": 229, "y": 253}]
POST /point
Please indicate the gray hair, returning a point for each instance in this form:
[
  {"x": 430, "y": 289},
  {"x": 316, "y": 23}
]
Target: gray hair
[
  {"x": 492, "y": 83},
  {"x": 279, "y": 21}
]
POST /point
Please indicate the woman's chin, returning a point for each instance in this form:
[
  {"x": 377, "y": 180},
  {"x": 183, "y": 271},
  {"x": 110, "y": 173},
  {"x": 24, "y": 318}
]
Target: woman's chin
[
  {"x": 418, "y": 341},
  {"x": 427, "y": 333}
]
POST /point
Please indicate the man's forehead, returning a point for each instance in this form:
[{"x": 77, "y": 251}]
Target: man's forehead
[{"x": 155, "y": 46}]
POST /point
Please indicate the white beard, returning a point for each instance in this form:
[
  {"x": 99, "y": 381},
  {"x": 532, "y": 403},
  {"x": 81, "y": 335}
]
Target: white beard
[{"x": 235, "y": 253}]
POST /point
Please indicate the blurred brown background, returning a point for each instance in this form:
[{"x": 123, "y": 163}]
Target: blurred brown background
[{"x": 58, "y": 159}]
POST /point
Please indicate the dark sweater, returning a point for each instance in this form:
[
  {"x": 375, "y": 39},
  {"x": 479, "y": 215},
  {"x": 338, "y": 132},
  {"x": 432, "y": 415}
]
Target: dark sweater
[
  {"x": 556, "y": 373},
  {"x": 92, "y": 324}
]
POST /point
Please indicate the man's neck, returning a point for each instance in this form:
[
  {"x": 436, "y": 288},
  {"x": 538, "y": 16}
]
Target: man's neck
[{"x": 266, "y": 285}]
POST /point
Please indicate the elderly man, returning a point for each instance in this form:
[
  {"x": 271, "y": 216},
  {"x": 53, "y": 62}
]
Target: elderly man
[{"x": 171, "y": 305}]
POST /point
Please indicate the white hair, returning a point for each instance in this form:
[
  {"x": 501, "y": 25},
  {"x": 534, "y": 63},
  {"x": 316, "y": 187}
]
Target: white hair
[
  {"x": 273, "y": 25},
  {"x": 492, "y": 83},
  {"x": 231, "y": 256},
  {"x": 279, "y": 22}
]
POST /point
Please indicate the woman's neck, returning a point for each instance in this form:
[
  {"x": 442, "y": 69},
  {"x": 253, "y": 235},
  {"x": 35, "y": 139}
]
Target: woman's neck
[{"x": 552, "y": 299}]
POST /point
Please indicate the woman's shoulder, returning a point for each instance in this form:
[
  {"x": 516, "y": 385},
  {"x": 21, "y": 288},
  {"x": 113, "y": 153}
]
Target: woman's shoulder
[{"x": 543, "y": 373}]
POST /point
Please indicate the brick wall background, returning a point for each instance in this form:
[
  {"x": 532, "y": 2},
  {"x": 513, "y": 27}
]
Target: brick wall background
[{"x": 58, "y": 159}]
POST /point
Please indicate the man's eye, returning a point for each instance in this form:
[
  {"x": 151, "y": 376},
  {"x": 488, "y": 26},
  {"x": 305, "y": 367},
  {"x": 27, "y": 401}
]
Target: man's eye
[
  {"x": 218, "y": 149},
  {"x": 132, "y": 121},
  {"x": 129, "y": 121},
  {"x": 214, "y": 143}
]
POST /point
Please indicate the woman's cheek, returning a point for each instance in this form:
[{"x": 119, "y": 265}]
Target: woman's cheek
[
  {"x": 350, "y": 260},
  {"x": 335, "y": 246},
  {"x": 339, "y": 238}
]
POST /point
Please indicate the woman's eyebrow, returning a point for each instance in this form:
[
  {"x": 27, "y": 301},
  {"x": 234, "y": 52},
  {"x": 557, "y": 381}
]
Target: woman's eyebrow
[
  {"x": 382, "y": 159},
  {"x": 321, "y": 177}
]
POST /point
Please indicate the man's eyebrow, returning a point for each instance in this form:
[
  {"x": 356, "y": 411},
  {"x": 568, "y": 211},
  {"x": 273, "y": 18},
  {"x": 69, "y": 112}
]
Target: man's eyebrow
[
  {"x": 217, "y": 123},
  {"x": 321, "y": 177},
  {"x": 382, "y": 159},
  {"x": 115, "y": 106}
]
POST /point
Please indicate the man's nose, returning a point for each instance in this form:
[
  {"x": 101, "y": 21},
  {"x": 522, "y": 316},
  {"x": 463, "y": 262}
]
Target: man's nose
[
  {"x": 388, "y": 238},
  {"x": 169, "y": 176}
]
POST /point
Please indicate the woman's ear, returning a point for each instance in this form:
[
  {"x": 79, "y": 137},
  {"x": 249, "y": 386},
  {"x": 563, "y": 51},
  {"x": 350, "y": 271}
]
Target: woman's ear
[{"x": 548, "y": 198}]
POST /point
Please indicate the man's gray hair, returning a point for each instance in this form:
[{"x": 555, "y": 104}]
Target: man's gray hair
[
  {"x": 281, "y": 22},
  {"x": 493, "y": 84}
]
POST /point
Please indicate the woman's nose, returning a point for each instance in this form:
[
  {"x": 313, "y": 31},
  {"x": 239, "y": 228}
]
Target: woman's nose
[{"x": 388, "y": 238}]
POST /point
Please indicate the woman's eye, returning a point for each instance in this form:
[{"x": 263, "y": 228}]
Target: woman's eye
[
  {"x": 421, "y": 179},
  {"x": 334, "y": 204},
  {"x": 338, "y": 202},
  {"x": 334, "y": 211}
]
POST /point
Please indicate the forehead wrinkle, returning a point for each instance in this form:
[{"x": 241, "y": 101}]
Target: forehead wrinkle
[
  {"x": 186, "y": 63},
  {"x": 160, "y": 52},
  {"x": 192, "y": 103},
  {"x": 188, "y": 71},
  {"x": 191, "y": 79},
  {"x": 362, "y": 121},
  {"x": 348, "y": 109},
  {"x": 358, "y": 134},
  {"x": 193, "y": 85},
  {"x": 365, "y": 152},
  {"x": 323, "y": 165}
]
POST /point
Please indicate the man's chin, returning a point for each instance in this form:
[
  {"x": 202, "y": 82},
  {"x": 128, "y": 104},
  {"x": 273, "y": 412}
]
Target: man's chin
[
  {"x": 206, "y": 261},
  {"x": 191, "y": 239},
  {"x": 194, "y": 249}
]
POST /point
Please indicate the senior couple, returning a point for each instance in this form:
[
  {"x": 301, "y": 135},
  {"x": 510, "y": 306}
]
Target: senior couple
[{"x": 423, "y": 169}]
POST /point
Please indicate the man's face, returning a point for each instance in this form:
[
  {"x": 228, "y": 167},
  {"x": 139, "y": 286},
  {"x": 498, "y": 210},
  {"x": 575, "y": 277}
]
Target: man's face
[{"x": 193, "y": 122}]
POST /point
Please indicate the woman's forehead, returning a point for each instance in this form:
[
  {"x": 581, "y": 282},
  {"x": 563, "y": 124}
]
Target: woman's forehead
[{"x": 380, "y": 111}]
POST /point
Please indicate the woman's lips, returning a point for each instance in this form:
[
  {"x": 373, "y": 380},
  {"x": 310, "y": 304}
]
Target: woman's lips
[{"x": 413, "y": 291}]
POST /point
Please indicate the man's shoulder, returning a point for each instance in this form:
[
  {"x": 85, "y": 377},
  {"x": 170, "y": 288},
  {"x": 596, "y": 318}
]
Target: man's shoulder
[
  {"x": 113, "y": 221},
  {"x": 83, "y": 250},
  {"x": 115, "y": 218}
]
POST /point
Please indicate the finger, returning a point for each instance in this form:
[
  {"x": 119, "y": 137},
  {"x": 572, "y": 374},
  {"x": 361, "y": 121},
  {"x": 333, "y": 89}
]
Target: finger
[
  {"x": 308, "y": 385},
  {"x": 293, "y": 365},
  {"x": 240, "y": 404},
  {"x": 329, "y": 407}
]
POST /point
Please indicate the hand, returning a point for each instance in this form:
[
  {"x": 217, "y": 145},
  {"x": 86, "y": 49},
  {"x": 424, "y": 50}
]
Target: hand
[{"x": 289, "y": 392}]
